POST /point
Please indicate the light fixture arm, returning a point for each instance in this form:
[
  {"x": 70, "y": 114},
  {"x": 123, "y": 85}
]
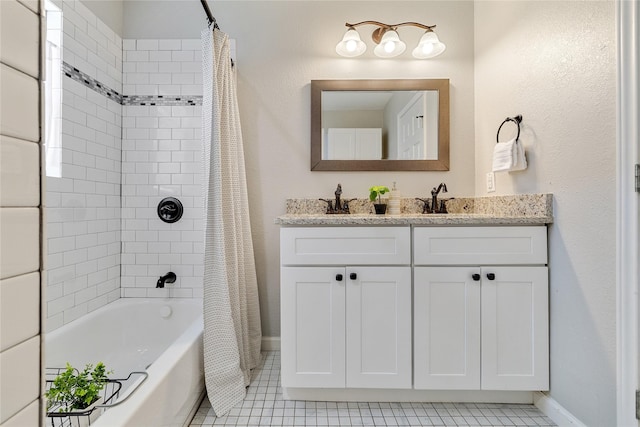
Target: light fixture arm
[{"x": 383, "y": 28}]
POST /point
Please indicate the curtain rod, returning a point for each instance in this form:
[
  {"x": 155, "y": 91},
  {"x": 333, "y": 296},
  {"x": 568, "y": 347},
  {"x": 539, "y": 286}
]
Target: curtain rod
[{"x": 210, "y": 17}]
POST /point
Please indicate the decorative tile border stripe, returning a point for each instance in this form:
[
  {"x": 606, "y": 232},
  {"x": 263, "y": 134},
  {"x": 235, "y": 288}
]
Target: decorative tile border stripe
[
  {"x": 162, "y": 100},
  {"x": 159, "y": 100},
  {"x": 90, "y": 82}
]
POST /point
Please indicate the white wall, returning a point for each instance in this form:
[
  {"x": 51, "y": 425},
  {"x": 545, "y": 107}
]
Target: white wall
[
  {"x": 20, "y": 241},
  {"x": 554, "y": 63},
  {"x": 281, "y": 47}
]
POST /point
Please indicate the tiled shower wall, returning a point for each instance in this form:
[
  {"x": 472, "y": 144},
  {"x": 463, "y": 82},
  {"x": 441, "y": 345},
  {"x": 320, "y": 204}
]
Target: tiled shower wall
[
  {"x": 83, "y": 204},
  {"x": 161, "y": 150},
  {"x": 131, "y": 136}
]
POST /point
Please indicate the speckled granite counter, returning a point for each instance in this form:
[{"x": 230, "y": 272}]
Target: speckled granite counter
[{"x": 525, "y": 209}]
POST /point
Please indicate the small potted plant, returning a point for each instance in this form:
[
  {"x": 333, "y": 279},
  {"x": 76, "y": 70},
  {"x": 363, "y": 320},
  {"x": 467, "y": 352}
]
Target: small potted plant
[
  {"x": 75, "y": 391},
  {"x": 375, "y": 192}
]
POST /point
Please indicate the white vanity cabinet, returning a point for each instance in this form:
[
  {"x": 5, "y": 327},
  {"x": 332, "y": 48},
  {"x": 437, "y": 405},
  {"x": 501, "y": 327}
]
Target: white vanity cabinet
[
  {"x": 346, "y": 307},
  {"x": 480, "y": 308}
]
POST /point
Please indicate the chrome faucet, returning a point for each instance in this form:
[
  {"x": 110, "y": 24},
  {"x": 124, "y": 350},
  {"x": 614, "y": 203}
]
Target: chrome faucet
[
  {"x": 170, "y": 277},
  {"x": 434, "y": 199}
]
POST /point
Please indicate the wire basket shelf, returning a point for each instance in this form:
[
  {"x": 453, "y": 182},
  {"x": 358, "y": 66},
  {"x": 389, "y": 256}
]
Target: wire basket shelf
[{"x": 58, "y": 417}]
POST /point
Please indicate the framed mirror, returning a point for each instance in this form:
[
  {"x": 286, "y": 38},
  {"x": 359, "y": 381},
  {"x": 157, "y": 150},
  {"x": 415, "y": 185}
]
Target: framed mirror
[{"x": 380, "y": 125}]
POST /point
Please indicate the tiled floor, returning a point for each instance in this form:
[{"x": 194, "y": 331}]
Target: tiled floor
[{"x": 264, "y": 406}]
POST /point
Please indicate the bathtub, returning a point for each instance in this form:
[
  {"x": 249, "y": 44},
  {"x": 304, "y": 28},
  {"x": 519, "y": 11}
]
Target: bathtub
[{"x": 160, "y": 336}]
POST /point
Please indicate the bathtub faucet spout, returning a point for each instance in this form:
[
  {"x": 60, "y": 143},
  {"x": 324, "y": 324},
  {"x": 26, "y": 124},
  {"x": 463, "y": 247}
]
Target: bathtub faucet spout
[{"x": 170, "y": 277}]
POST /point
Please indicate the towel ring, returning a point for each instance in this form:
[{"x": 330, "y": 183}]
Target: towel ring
[{"x": 517, "y": 120}]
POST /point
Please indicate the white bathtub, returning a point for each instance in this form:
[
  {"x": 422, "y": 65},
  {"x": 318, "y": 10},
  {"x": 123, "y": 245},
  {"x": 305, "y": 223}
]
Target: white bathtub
[{"x": 163, "y": 337}]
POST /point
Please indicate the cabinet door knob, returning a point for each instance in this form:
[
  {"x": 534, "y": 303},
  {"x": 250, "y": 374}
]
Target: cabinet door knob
[
  {"x": 353, "y": 276},
  {"x": 475, "y": 277},
  {"x": 491, "y": 276},
  {"x": 339, "y": 277}
]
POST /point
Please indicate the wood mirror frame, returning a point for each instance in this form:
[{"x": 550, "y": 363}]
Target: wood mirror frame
[{"x": 318, "y": 86}]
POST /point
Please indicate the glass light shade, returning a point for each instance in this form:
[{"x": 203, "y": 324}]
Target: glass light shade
[
  {"x": 351, "y": 45},
  {"x": 429, "y": 46},
  {"x": 390, "y": 45}
]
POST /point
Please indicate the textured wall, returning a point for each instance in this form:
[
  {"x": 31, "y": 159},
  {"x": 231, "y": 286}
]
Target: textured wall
[
  {"x": 281, "y": 47},
  {"x": 554, "y": 63}
]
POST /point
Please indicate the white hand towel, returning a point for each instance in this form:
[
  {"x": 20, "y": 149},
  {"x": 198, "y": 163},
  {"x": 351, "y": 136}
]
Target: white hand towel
[
  {"x": 504, "y": 156},
  {"x": 521, "y": 160}
]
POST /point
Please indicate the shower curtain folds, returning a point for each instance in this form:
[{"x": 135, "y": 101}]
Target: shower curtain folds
[{"x": 232, "y": 331}]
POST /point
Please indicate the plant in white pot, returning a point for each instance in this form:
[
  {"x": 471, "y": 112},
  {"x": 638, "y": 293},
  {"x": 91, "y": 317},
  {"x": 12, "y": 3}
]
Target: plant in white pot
[
  {"x": 77, "y": 392},
  {"x": 376, "y": 192}
]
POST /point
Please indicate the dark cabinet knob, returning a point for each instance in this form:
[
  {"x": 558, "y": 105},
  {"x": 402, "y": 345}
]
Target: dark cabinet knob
[
  {"x": 353, "y": 276},
  {"x": 491, "y": 276},
  {"x": 339, "y": 277},
  {"x": 475, "y": 277}
]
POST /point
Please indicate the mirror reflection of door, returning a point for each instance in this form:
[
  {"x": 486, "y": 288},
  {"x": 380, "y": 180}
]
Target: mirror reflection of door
[{"x": 417, "y": 124}]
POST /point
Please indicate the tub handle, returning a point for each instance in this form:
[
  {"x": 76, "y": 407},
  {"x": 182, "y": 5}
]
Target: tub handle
[{"x": 130, "y": 391}]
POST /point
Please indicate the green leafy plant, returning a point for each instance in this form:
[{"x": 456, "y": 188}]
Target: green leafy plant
[
  {"x": 376, "y": 191},
  {"x": 77, "y": 390}
]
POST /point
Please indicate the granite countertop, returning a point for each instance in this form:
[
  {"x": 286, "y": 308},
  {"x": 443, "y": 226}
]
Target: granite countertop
[{"x": 526, "y": 209}]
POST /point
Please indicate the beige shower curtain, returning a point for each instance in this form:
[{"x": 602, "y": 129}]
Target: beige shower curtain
[{"x": 232, "y": 332}]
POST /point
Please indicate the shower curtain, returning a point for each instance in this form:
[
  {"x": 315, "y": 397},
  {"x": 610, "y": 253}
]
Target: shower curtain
[{"x": 232, "y": 331}]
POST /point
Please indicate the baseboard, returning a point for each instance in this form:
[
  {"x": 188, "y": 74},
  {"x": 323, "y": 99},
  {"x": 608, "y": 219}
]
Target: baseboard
[
  {"x": 270, "y": 343},
  {"x": 552, "y": 409}
]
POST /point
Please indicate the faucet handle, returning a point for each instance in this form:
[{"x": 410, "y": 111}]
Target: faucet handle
[
  {"x": 426, "y": 209},
  {"x": 345, "y": 205},
  {"x": 329, "y": 205}
]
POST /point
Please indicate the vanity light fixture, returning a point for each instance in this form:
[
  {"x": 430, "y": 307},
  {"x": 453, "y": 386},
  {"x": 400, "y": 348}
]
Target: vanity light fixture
[{"x": 388, "y": 41}]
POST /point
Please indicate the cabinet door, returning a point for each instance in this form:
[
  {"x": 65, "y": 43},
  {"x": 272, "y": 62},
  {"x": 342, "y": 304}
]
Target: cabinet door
[
  {"x": 378, "y": 327},
  {"x": 312, "y": 326},
  {"x": 446, "y": 310},
  {"x": 515, "y": 328}
]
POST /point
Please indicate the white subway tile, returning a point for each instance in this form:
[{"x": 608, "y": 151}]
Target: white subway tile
[
  {"x": 191, "y": 144},
  {"x": 20, "y": 386},
  {"x": 136, "y": 56},
  {"x": 75, "y": 312},
  {"x": 128, "y": 44},
  {"x": 160, "y": 79},
  {"x": 183, "y": 78},
  {"x": 148, "y": 44},
  {"x": 191, "y": 67},
  {"x": 160, "y": 56},
  {"x": 134, "y": 293},
  {"x": 195, "y": 89},
  {"x": 168, "y": 89},
  {"x": 182, "y": 56},
  {"x": 87, "y": 267},
  {"x": 160, "y": 134},
  {"x": 169, "y": 45},
  {"x": 192, "y": 44},
  {"x": 169, "y": 67},
  {"x": 85, "y": 13},
  {"x": 146, "y": 67}
]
